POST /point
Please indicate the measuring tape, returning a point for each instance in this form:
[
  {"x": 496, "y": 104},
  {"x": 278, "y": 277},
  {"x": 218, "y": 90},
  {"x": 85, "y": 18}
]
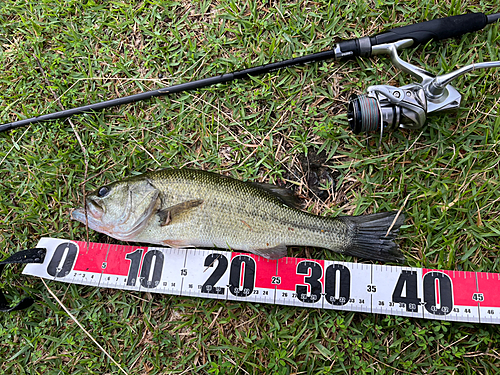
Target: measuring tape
[{"x": 404, "y": 291}]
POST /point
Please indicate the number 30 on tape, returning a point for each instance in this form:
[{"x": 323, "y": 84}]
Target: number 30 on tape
[{"x": 404, "y": 291}]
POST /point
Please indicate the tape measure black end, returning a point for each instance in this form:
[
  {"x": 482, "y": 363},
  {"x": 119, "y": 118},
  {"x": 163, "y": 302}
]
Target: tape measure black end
[
  {"x": 24, "y": 304},
  {"x": 36, "y": 255}
]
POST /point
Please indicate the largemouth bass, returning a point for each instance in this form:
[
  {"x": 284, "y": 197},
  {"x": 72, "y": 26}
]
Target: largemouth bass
[{"x": 194, "y": 208}]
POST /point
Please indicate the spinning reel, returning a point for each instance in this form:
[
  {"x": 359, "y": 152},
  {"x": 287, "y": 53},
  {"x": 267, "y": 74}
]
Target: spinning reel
[{"x": 386, "y": 107}]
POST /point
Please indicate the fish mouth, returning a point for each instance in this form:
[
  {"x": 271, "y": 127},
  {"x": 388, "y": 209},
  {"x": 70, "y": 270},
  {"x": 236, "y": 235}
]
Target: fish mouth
[
  {"x": 78, "y": 214},
  {"x": 90, "y": 217},
  {"x": 94, "y": 209}
]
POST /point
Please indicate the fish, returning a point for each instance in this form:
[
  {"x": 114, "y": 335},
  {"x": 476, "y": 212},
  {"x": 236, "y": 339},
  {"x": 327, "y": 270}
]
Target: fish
[{"x": 184, "y": 208}]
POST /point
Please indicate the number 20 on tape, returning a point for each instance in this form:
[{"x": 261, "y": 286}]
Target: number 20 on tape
[{"x": 404, "y": 291}]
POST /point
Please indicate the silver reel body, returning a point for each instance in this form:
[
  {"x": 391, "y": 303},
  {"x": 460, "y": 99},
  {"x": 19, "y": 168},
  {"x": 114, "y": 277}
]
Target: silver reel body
[{"x": 386, "y": 107}]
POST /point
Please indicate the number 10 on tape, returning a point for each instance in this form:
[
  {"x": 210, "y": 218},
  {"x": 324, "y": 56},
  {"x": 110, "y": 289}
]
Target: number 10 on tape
[{"x": 403, "y": 291}]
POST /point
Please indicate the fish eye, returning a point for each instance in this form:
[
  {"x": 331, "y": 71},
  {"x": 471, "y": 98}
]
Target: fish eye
[{"x": 103, "y": 191}]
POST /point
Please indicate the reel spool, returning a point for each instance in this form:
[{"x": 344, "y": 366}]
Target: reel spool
[{"x": 364, "y": 114}]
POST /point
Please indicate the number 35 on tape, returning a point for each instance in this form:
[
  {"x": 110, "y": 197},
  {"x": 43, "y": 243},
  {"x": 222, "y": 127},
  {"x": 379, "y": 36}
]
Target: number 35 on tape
[{"x": 403, "y": 291}]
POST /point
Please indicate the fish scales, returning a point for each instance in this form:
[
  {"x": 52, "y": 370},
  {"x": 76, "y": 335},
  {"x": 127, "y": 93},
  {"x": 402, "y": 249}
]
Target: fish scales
[
  {"x": 238, "y": 215},
  {"x": 186, "y": 207}
]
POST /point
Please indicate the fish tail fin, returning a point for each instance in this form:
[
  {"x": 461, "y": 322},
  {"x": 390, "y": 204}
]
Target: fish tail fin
[{"x": 374, "y": 236}]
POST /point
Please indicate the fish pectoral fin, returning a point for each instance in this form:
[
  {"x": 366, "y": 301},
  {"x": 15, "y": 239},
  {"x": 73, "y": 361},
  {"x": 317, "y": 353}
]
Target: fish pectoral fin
[
  {"x": 168, "y": 214},
  {"x": 165, "y": 217},
  {"x": 273, "y": 253}
]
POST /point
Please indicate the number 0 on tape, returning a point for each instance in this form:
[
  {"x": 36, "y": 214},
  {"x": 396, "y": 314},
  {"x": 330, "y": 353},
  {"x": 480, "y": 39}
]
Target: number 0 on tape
[{"x": 403, "y": 291}]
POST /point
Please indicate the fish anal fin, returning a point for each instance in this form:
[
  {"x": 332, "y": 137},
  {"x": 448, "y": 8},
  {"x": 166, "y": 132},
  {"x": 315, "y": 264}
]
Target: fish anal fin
[
  {"x": 275, "y": 252},
  {"x": 168, "y": 214}
]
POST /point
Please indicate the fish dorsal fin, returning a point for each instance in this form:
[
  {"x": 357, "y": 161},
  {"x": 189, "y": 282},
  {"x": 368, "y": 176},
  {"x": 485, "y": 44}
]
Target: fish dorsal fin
[
  {"x": 276, "y": 252},
  {"x": 283, "y": 194},
  {"x": 168, "y": 214}
]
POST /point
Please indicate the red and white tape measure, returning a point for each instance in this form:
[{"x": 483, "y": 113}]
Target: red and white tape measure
[{"x": 404, "y": 291}]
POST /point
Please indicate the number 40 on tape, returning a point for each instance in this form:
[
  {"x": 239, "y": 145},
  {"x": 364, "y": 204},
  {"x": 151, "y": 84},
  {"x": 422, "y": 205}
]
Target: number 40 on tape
[{"x": 403, "y": 291}]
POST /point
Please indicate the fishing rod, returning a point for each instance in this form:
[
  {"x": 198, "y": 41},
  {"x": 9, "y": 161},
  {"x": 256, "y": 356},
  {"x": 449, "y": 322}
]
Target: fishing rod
[{"x": 419, "y": 33}]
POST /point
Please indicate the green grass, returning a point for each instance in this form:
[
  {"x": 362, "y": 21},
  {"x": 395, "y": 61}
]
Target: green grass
[{"x": 260, "y": 129}]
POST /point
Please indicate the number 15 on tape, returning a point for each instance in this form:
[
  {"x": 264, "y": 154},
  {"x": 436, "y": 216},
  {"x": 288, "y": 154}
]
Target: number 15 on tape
[{"x": 402, "y": 291}]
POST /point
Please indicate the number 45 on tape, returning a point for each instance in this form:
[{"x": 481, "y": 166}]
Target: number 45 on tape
[{"x": 404, "y": 291}]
